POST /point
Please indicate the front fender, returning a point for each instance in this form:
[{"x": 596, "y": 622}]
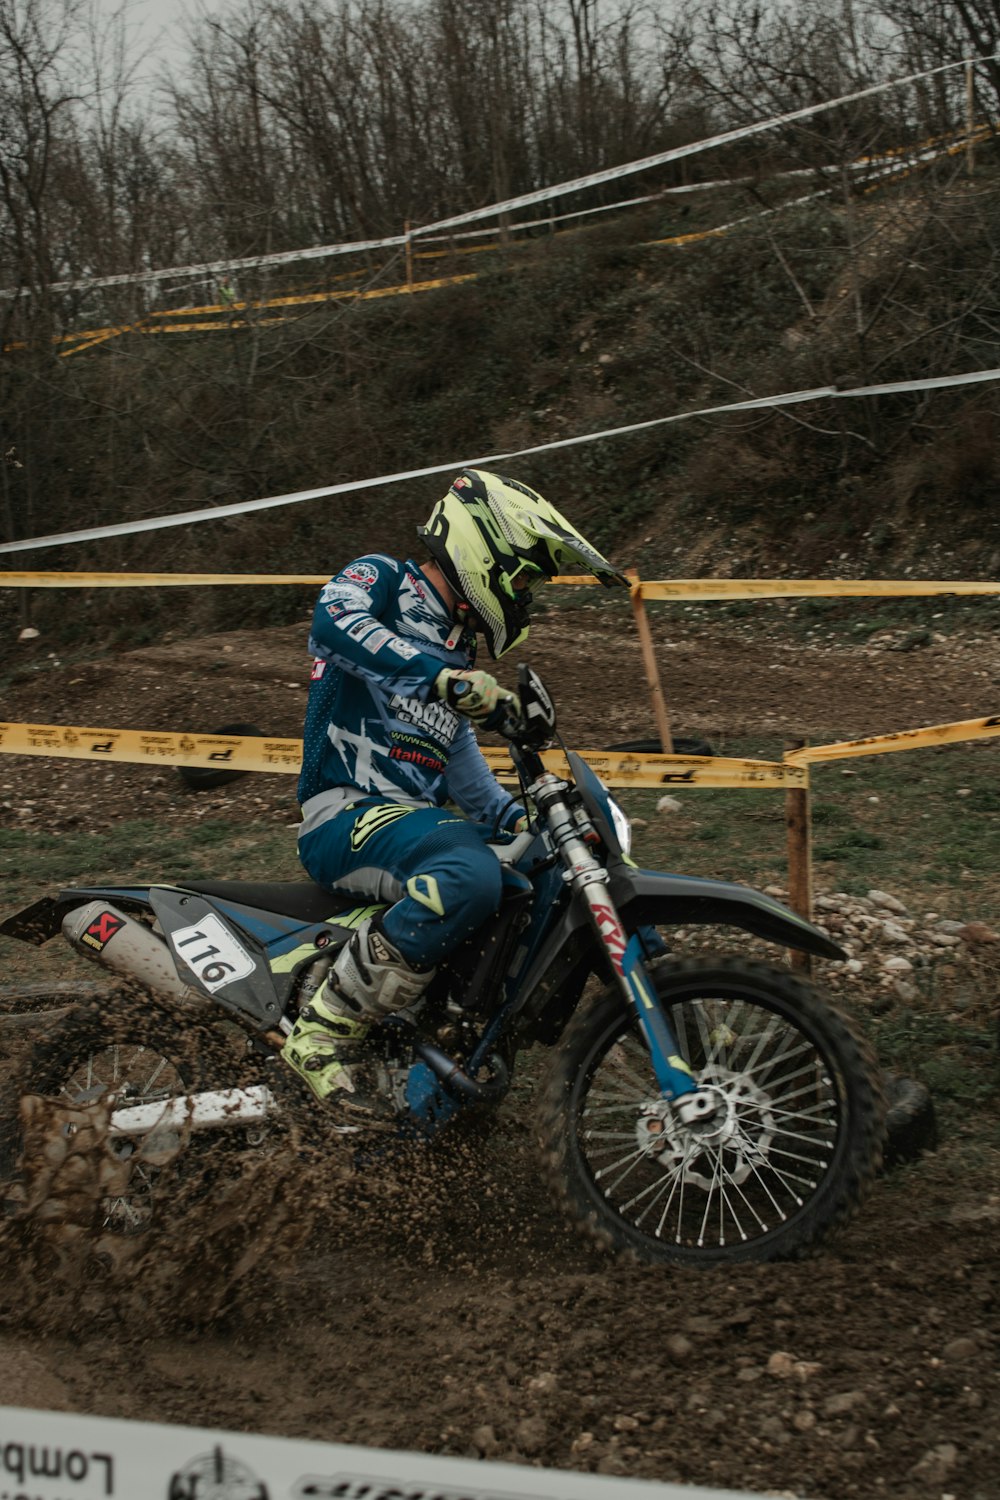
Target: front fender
[{"x": 647, "y": 896}]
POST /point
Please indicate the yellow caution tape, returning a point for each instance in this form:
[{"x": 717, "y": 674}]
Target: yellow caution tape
[
  {"x": 615, "y": 768},
  {"x": 671, "y": 588},
  {"x": 795, "y": 588},
  {"x": 54, "y": 580},
  {"x": 623, "y": 769},
  {"x": 76, "y": 580},
  {"x": 903, "y": 739},
  {"x": 244, "y": 753},
  {"x": 215, "y": 751},
  {"x": 227, "y": 322}
]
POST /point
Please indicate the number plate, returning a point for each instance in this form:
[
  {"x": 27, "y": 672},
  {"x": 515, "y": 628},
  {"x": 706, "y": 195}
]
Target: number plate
[{"x": 212, "y": 952}]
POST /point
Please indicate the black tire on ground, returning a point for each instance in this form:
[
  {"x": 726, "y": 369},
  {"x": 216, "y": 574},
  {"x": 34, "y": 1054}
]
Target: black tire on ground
[
  {"x": 910, "y": 1119},
  {"x": 138, "y": 1052},
  {"x": 682, "y": 746},
  {"x": 803, "y": 1115},
  {"x": 204, "y": 779}
]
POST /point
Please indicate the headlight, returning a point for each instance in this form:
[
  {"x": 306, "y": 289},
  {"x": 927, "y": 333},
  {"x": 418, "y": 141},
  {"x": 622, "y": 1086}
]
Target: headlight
[{"x": 623, "y": 828}]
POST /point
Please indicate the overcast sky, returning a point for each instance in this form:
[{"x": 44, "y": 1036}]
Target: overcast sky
[{"x": 158, "y": 26}]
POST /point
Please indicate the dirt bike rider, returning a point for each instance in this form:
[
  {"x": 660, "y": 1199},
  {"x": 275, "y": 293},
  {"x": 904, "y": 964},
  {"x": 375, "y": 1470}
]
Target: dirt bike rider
[{"x": 388, "y": 742}]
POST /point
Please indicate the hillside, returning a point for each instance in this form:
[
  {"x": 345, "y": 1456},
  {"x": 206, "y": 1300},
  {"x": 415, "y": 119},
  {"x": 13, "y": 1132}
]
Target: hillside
[{"x": 580, "y": 332}]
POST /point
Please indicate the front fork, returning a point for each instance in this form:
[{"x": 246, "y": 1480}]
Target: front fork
[{"x": 589, "y": 880}]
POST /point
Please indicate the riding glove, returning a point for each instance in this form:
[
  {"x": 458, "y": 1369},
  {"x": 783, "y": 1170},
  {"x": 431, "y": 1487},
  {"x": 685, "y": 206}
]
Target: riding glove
[{"x": 475, "y": 694}]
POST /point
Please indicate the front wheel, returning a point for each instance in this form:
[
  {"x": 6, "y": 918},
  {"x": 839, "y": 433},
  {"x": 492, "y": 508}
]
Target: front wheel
[{"x": 795, "y": 1142}]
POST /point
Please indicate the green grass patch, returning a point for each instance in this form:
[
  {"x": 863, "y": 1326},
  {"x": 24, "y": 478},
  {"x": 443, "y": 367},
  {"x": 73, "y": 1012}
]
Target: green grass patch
[
  {"x": 142, "y": 850},
  {"x": 33, "y": 863},
  {"x": 923, "y": 824}
]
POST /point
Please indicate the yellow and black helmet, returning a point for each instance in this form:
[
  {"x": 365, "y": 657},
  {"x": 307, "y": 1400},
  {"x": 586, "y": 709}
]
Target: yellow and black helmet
[{"x": 491, "y": 536}]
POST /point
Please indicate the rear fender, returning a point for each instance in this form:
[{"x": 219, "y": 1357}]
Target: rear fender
[{"x": 43, "y": 919}]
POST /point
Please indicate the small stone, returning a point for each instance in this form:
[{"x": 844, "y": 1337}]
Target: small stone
[
  {"x": 960, "y": 1349},
  {"x": 842, "y": 1403},
  {"x": 530, "y": 1435},
  {"x": 977, "y": 932},
  {"x": 485, "y": 1439},
  {"x": 625, "y": 1423},
  {"x": 905, "y": 991},
  {"x": 887, "y": 902},
  {"x": 893, "y": 933},
  {"x": 781, "y": 1364},
  {"x": 679, "y": 1347},
  {"x": 29, "y": 633},
  {"x": 804, "y": 1420},
  {"x": 749, "y": 1373},
  {"x": 897, "y": 965},
  {"x": 936, "y": 1464},
  {"x": 669, "y": 804},
  {"x": 775, "y": 1429}
]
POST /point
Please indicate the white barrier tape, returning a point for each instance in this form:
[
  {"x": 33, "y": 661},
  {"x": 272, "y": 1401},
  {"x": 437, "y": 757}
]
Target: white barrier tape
[
  {"x": 523, "y": 200},
  {"x": 272, "y": 502},
  {"x": 677, "y": 153},
  {"x": 50, "y": 1455}
]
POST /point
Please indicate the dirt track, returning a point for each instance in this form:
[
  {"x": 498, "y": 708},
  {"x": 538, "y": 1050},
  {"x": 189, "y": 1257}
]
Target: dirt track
[{"x": 457, "y": 1314}]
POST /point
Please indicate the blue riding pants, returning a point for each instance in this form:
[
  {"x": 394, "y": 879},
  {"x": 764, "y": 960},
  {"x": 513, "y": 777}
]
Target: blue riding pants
[{"x": 434, "y": 865}]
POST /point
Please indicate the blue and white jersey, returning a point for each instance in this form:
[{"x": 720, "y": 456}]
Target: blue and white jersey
[{"x": 381, "y": 633}]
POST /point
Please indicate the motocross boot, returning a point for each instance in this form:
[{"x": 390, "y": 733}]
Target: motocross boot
[{"x": 326, "y": 1048}]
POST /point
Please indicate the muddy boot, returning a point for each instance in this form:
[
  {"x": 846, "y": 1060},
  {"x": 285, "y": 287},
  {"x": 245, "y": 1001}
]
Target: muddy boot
[{"x": 369, "y": 979}]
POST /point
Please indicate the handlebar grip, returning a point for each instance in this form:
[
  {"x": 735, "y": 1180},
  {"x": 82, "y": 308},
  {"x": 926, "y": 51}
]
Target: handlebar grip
[{"x": 504, "y": 718}]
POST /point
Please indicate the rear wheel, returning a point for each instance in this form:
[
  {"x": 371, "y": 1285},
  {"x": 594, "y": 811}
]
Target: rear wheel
[
  {"x": 794, "y": 1144},
  {"x": 57, "y": 1159}
]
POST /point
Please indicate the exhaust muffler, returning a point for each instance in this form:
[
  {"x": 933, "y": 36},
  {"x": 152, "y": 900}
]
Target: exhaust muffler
[{"x": 103, "y": 933}]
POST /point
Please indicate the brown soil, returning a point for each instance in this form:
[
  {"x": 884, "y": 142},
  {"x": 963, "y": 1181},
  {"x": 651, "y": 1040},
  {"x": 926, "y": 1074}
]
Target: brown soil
[{"x": 446, "y": 1308}]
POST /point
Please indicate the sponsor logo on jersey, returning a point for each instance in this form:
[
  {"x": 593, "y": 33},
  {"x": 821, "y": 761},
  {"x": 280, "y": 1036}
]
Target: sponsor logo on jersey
[
  {"x": 348, "y": 594},
  {"x": 364, "y": 574},
  {"x": 359, "y": 629}
]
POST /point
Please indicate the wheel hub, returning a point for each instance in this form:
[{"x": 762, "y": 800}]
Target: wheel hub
[{"x": 736, "y": 1139}]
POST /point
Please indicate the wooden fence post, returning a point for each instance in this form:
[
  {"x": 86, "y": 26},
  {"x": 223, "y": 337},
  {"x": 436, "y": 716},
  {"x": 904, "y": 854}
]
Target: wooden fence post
[
  {"x": 798, "y": 825},
  {"x": 649, "y": 662}
]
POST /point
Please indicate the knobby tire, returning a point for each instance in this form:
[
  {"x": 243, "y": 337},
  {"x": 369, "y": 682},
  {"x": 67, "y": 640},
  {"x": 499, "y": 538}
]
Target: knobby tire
[{"x": 803, "y": 1092}]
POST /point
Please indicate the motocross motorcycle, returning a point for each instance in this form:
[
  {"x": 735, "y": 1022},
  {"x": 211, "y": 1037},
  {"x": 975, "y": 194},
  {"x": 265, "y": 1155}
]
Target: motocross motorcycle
[{"x": 690, "y": 1110}]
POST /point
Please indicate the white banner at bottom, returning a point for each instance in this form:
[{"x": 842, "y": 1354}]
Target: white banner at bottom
[{"x": 46, "y": 1455}]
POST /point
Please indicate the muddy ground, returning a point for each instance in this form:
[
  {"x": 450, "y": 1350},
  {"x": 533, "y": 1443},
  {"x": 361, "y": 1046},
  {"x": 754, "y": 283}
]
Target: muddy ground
[{"x": 451, "y": 1311}]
